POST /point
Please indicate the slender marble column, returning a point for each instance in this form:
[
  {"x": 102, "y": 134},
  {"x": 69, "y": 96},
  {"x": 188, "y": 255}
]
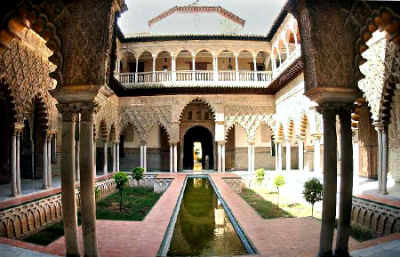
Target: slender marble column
[
  {"x": 154, "y": 68},
  {"x": 255, "y": 68},
  {"x": 288, "y": 157},
  {"x": 114, "y": 157},
  {"x": 14, "y": 164},
  {"x": 145, "y": 158},
  {"x": 301, "y": 155},
  {"x": 175, "y": 158},
  {"x": 18, "y": 163},
  {"x": 141, "y": 156},
  {"x": 276, "y": 157},
  {"x": 346, "y": 184},
  {"x": 317, "y": 155},
  {"x": 68, "y": 183},
  {"x": 379, "y": 129},
  {"x": 280, "y": 156},
  {"x": 252, "y": 157},
  {"x": 223, "y": 158},
  {"x": 105, "y": 156},
  {"x": 219, "y": 157},
  {"x": 45, "y": 163},
  {"x": 173, "y": 66},
  {"x": 117, "y": 156},
  {"x": 385, "y": 158},
  {"x": 77, "y": 150},
  {"x": 88, "y": 203},
  {"x": 49, "y": 168},
  {"x": 330, "y": 182},
  {"x": 171, "y": 158},
  {"x": 237, "y": 66},
  {"x": 249, "y": 157},
  {"x": 193, "y": 66},
  {"x": 137, "y": 69}
]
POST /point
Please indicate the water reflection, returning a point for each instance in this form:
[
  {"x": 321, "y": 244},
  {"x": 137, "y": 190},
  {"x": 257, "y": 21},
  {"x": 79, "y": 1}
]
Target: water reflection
[{"x": 202, "y": 227}]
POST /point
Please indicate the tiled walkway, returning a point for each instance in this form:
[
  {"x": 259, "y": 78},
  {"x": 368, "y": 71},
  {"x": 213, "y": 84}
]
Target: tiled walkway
[{"x": 275, "y": 237}]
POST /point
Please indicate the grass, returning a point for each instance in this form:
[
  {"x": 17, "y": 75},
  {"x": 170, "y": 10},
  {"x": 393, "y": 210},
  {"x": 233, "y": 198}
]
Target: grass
[
  {"x": 264, "y": 201},
  {"x": 137, "y": 202}
]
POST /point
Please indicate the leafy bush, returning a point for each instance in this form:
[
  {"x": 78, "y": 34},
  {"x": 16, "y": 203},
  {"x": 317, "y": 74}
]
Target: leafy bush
[
  {"x": 260, "y": 174},
  {"x": 121, "y": 178},
  {"x": 137, "y": 174},
  {"x": 279, "y": 181},
  {"x": 313, "y": 190}
]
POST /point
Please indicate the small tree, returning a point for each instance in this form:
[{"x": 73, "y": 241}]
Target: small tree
[
  {"x": 279, "y": 181},
  {"x": 260, "y": 174},
  {"x": 313, "y": 190},
  {"x": 137, "y": 174},
  {"x": 121, "y": 178}
]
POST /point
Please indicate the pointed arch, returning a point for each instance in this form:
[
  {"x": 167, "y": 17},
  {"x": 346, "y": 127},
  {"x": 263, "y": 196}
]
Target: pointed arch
[{"x": 194, "y": 99}]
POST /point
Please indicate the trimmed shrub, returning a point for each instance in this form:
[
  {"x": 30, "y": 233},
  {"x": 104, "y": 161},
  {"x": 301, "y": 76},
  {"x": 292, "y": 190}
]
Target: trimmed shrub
[{"x": 313, "y": 190}]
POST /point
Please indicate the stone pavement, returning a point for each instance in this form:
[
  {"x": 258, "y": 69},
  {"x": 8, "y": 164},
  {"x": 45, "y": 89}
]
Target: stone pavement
[
  {"x": 12, "y": 251},
  {"x": 389, "y": 249},
  {"x": 286, "y": 237}
]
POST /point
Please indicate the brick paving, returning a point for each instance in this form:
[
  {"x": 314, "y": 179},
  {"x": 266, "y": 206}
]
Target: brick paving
[{"x": 273, "y": 237}]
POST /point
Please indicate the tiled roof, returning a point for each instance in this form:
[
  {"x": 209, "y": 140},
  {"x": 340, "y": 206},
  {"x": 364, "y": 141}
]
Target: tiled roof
[{"x": 198, "y": 9}]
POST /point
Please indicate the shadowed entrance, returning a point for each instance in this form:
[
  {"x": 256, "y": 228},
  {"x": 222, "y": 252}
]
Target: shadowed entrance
[{"x": 202, "y": 135}]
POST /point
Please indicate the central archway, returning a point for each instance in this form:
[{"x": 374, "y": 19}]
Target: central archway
[{"x": 204, "y": 137}]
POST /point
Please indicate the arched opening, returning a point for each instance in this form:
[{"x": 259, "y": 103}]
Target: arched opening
[
  {"x": 130, "y": 63},
  {"x": 184, "y": 66},
  {"x": 230, "y": 150},
  {"x": 245, "y": 59},
  {"x": 129, "y": 148},
  {"x": 204, "y": 66},
  {"x": 197, "y": 114},
  {"x": 195, "y": 139},
  {"x": 163, "y": 65},
  {"x": 282, "y": 51},
  {"x": 40, "y": 126},
  {"x": 226, "y": 66},
  {"x": 164, "y": 150},
  {"x": 6, "y": 119},
  {"x": 26, "y": 151},
  {"x": 145, "y": 67}
]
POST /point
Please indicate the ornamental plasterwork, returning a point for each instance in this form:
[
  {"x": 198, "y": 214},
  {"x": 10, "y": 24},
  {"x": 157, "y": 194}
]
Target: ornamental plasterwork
[
  {"x": 108, "y": 112},
  {"x": 144, "y": 117},
  {"x": 25, "y": 68},
  {"x": 374, "y": 71},
  {"x": 249, "y": 117}
]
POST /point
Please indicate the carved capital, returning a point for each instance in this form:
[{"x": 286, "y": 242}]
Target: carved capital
[
  {"x": 88, "y": 111},
  {"x": 68, "y": 112}
]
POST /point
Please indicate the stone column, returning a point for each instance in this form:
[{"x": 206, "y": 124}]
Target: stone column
[
  {"x": 385, "y": 158},
  {"x": 154, "y": 68},
  {"x": 105, "y": 156},
  {"x": 346, "y": 184},
  {"x": 237, "y": 66},
  {"x": 77, "y": 149},
  {"x": 252, "y": 157},
  {"x": 137, "y": 69},
  {"x": 14, "y": 163},
  {"x": 171, "y": 158},
  {"x": 68, "y": 182},
  {"x": 49, "y": 168},
  {"x": 18, "y": 163},
  {"x": 95, "y": 155},
  {"x": 175, "y": 157},
  {"x": 288, "y": 157},
  {"x": 117, "y": 146},
  {"x": 88, "y": 203},
  {"x": 114, "y": 157},
  {"x": 219, "y": 162},
  {"x": 317, "y": 154},
  {"x": 45, "y": 162},
  {"x": 273, "y": 63},
  {"x": 193, "y": 66},
  {"x": 249, "y": 157},
  {"x": 280, "y": 156},
  {"x": 276, "y": 156},
  {"x": 255, "y": 68},
  {"x": 379, "y": 126},
  {"x": 223, "y": 157},
  {"x": 145, "y": 158},
  {"x": 301, "y": 154},
  {"x": 141, "y": 156},
  {"x": 330, "y": 182},
  {"x": 173, "y": 66}
]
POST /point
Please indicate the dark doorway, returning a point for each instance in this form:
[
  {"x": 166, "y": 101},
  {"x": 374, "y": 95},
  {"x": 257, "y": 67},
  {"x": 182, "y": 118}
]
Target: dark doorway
[{"x": 204, "y": 136}]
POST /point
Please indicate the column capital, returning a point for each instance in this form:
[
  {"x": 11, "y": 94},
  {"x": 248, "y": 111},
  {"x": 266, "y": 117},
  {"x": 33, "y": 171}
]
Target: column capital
[
  {"x": 88, "y": 111},
  {"x": 251, "y": 143},
  {"x": 68, "y": 111},
  {"x": 380, "y": 125},
  {"x": 221, "y": 142}
]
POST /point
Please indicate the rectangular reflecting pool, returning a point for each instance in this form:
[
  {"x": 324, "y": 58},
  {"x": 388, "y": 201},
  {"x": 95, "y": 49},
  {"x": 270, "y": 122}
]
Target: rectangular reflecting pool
[{"x": 203, "y": 227}]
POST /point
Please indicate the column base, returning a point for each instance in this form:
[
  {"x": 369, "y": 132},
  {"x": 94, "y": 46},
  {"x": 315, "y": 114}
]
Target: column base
[
  {"x": 342, "y": 253},
  {"x": 73, "y": 255}
]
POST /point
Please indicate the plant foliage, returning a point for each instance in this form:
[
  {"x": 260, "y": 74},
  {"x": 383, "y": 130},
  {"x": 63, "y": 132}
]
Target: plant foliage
[
  {"x": 260, "y": 174},
  {"x": 121, "y": 178},
  {"x": 279, "y": 181},
  {"x": 137, "y": 174},
  {"x": 313, "y": 191}
]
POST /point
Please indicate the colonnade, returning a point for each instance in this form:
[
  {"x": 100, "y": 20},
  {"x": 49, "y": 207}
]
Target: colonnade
[{"x": 15, "y": 159}]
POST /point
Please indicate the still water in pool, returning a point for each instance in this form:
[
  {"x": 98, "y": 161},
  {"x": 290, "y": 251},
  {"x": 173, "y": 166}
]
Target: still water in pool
[{"x": 202, "y": 226}]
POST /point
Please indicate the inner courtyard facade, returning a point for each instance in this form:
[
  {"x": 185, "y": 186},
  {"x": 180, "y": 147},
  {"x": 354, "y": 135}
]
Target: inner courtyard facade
[{"x": 80, "y": 101}]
